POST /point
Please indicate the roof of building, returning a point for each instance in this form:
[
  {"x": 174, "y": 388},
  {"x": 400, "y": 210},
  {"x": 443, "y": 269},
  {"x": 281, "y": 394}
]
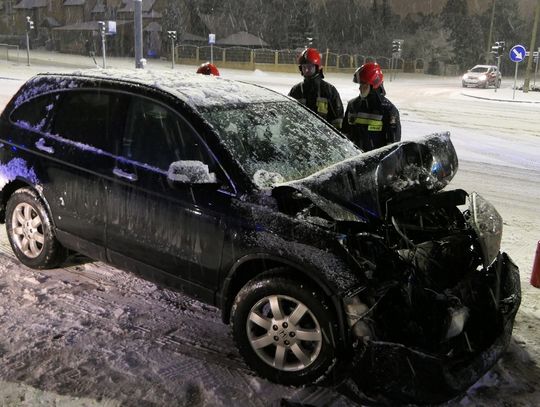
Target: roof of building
[
  {"x": 153, "y": 27},
  {"x": 49, "y": 22},
  {"x": 30, "y": 4},
  {"x": 74, "y": 2},
  {"x": 99, "y": 8},
  {"x": 243, "y": 39},
  {"x": 87, "y": 26}
]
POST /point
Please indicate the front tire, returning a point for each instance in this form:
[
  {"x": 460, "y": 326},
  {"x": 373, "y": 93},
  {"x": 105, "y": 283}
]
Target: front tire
[
  {"x": 30, "y": 231},
  {"x": 285, "y": 330}
]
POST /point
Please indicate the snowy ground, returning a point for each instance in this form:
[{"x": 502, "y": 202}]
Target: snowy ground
[{"x": 91, "y": 335}]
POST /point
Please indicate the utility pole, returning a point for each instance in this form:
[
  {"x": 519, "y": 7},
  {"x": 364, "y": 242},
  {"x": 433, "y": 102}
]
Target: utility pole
[
  {"x": 531, "y": 48},
  {"x": 490, "y": 31},
  {"x": 137, "y": 15}
]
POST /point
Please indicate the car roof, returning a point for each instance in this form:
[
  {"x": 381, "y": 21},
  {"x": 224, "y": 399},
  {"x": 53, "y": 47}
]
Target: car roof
[
  {"x": 195, "y": 89},
  {"x": 484, "y": 66}
]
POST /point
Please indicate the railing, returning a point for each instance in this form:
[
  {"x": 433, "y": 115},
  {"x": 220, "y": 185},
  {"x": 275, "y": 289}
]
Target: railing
[
  {"x": 4, "y": 52},
  {"x": 284, "y": 58}
]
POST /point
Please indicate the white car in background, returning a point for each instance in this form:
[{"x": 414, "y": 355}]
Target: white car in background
[{"x": 482, "y": 76}]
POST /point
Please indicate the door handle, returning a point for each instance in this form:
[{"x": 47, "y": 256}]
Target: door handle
[
  {"x": 126, "y": 175},
  {"x": 40, "y": 145}
]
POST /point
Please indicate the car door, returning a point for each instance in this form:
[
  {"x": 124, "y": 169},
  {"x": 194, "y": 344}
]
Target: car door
[
  {"x": 173, "y": 231},
  {"x": 80, "y": 144}
]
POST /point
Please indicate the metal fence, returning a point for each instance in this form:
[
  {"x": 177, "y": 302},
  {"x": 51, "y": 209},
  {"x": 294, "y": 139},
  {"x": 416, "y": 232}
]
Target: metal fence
[
  {"x": 286, "y": 58},
  {"x": 7, "y": 55}
]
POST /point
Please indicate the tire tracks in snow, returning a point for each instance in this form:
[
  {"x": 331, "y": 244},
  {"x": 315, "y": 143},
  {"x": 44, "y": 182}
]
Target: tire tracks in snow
[{"x": 90, "y": 330}]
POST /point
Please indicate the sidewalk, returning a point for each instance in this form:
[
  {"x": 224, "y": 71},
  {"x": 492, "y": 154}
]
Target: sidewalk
[
  {"x": 505, "y": 93},
  {"x": 42, "y": 61}
]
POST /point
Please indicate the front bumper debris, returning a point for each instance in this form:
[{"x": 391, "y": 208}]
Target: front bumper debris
[{"x": 386, "y": 371}]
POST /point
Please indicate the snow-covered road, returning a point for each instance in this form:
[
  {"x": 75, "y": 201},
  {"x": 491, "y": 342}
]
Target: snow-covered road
[{"x": 89, "y": 334}]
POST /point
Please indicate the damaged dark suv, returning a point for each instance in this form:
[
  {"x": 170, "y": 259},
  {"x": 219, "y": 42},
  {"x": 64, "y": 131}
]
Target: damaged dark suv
[{"x": 332, "y": 265}]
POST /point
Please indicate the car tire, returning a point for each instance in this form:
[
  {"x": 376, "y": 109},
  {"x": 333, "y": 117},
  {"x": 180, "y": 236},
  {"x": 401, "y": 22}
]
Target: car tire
[
  {"x": 285, "y": 330},
  {"x": 30, "y": 231}
]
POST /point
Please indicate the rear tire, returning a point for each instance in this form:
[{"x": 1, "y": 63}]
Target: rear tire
[
  {"x": 30, "y": 231},
  {"x": 285, "y": 330}
]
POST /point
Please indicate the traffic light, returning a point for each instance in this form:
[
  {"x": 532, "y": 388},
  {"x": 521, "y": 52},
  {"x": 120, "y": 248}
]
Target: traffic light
[
  {"x": 501, "y": 48},
  {"x": 102, "y": 27},
  {"x": 498, "y": 48},
  {"x": 396, "y": 47},
  {"x": 171, "y": 35},
  {"x": 29, "y": 24}
]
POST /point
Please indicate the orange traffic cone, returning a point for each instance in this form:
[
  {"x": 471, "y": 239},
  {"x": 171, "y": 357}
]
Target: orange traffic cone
[{"x": 535, "y": 275}]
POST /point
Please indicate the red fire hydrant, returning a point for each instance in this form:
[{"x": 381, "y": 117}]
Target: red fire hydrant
[{"x": 535, "y": 275}]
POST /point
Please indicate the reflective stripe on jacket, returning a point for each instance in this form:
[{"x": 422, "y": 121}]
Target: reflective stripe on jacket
[
  {"x": 320, "y": 97},
  {"x": 372, "y": 122}
]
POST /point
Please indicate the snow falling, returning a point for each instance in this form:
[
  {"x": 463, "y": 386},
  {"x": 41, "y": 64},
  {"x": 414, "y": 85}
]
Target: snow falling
[{"x": 88, "y": 334}]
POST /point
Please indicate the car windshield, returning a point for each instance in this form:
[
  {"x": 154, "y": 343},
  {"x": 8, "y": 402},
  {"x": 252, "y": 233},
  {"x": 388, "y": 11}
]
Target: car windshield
[
  {"x": 479, "y": 69},
  {"x": 276, "y": 142}
]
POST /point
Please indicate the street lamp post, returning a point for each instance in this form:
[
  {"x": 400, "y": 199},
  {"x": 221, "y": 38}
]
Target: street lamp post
[
  {"x": 137, "y": 15},
  {"x": 29, "y": 27},
  {"x": 102, "y": 30}
]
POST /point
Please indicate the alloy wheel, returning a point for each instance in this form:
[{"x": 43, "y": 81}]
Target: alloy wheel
[
  {"x": 28, "y": 230},
  {"x": 284, "y": 333}
]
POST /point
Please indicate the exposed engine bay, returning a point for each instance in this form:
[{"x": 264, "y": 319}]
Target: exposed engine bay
[{"x": 438, "y": 292}]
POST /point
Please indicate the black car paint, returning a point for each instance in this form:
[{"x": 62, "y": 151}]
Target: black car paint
[
  {"x": 153, "y": 226},
  {"x": 76, "y": 179}
]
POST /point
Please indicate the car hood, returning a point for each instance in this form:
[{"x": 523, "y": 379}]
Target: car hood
[{"x": 363, "y": 184}]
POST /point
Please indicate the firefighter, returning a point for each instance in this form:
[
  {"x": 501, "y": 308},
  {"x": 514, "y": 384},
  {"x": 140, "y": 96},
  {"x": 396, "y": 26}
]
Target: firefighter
[
  {"x": 371, "y": 120},
  {"x": 314, "y": 92},
  {"x": 208, "y": 69}
]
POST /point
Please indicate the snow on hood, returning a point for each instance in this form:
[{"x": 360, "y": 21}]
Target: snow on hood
[
  {"x": 365, "y": 182},
  {"x": 195, "y": 89}
]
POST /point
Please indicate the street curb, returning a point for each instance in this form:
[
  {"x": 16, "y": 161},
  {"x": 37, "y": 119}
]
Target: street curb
[{"x": 501, "y": 100}]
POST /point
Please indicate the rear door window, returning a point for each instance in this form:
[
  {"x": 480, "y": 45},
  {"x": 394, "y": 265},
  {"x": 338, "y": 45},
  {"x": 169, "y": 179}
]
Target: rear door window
[
  {"x": 91, "y": 118},
  {"x": 34, "y": 113}
]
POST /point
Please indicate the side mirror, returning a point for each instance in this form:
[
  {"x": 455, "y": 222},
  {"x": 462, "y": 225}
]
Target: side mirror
[{"x": 191, "y": 172}]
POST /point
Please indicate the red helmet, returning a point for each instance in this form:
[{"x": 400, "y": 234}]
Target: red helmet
[
  {"x": 310, "y": 56},
  {"x": 208, "y": 69},
  {"x": 369, "y": 73}
]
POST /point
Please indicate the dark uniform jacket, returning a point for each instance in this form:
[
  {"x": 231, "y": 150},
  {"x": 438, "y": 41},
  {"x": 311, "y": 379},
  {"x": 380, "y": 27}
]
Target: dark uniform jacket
[
  {"x": 320, "y": 97},
  {"x": 371, "y": 122}
]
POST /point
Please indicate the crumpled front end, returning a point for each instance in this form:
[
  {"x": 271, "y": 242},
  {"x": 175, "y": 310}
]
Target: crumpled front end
[
  {"x": 387, "y": 370},
  {"x": 440, "y": 306}
]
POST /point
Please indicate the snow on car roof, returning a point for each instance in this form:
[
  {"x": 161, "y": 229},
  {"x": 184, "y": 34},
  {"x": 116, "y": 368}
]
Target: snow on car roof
[{"x": 195, "y": 89}]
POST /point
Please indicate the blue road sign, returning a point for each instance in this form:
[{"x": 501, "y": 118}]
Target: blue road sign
[{"x": 517, "y": 53}]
